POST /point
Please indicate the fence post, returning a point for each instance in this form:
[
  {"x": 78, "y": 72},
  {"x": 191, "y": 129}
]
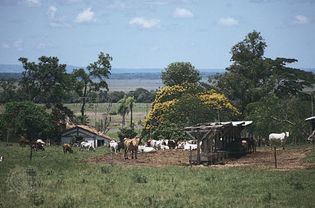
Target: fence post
[
  {"x": 190, "y": 157},
  {"x": 275, "y": 154}
]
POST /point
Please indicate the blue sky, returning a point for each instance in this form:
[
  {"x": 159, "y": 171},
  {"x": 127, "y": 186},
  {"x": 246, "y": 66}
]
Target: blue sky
[{"x": 154, "y": 33}]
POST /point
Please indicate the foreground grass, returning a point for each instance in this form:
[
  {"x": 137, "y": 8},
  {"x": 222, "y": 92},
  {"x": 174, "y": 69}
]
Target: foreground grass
[{"x": 65, "y": 181}]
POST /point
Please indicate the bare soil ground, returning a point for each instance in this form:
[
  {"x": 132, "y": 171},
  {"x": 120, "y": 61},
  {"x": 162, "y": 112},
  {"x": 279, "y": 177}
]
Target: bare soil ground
[{"x": 288, "y": 159}]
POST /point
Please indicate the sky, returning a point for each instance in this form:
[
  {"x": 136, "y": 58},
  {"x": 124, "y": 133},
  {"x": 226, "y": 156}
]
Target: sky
[{"x": 154, "y": 33}]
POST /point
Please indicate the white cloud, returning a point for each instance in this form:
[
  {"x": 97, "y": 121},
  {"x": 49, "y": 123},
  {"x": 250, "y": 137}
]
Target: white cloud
[
  {"x": 18, "y": 45},
  {"x": 32, "y": 3},
  {"x": 300, "y": 19},
  {"x": 228, "y": 21},
  {"x": 52, "y": 12},
  {"x": 182, "y": 13},
  {"x": 145, "y": 23},
  {"x": 85, "y": 16}
]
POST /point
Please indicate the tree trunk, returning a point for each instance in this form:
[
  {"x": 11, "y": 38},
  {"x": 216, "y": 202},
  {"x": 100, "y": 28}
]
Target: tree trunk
[
  {"x": 83, "y": 104},
  {"x": 131, "y": 124},
  {"x": 123, "y": 120},
  {"x": 31, "y": 153}
]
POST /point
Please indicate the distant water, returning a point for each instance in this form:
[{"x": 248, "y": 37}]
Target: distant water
[{"x": 16, "y": 68}]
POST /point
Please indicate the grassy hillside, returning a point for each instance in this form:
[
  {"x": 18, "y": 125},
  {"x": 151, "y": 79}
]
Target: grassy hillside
[{"x": 53, "y": 179}]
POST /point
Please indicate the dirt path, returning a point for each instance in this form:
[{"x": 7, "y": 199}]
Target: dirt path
[{"x": 287, "y": 159}]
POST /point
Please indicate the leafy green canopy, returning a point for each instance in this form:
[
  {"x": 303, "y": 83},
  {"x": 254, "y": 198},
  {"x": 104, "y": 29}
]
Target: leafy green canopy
[
  {"x": 273, "y": 114},
  {"x": 45, "y": 82},
  {"x": 26, "y": 118},
  {"x": 180, "y": 73},
  {"x": 180, "y": 105},
  {"x": 253, "y": 76},
  {"x": 266, "y": 90}
]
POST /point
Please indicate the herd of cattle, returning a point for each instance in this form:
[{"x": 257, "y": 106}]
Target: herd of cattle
[{"x": 135, "y": 145}]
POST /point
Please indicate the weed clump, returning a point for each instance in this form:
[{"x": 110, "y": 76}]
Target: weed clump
[{"x": 137, "y": 178}]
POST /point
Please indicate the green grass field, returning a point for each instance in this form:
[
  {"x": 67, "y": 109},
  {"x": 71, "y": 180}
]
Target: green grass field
[{"x": 53, "y": 179}]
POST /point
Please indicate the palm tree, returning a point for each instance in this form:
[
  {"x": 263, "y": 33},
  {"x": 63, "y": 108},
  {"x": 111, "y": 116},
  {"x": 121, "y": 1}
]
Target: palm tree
[
  {"x": 123, "y": 109},
  {"x": 130, "y": 102}
]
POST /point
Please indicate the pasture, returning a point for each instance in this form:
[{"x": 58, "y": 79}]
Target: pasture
[{"x": 84, "y": 179}]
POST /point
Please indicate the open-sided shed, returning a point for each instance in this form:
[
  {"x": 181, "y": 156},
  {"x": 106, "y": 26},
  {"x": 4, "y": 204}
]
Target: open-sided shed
[
  {"x": 312, "y": 121},
  {"x": 217, "y": 140}
]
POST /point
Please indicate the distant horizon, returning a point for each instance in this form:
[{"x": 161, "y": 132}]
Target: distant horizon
[{"x": 18, "y": 68}]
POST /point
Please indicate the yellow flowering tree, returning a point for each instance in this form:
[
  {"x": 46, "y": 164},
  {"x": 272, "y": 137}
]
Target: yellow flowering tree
[{"x": 182, "y": 105}]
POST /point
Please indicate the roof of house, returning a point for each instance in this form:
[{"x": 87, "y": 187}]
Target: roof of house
[
  {"x": 218, "y": 125},
  {"x": 310, "y": 118},
  {"x": 88, "y": 129}
]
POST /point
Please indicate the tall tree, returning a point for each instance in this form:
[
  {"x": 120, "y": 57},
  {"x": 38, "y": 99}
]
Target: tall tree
[
  {"x": 130, "y": 102},
  {"x": 180, "y": 73},
  {"x": 46, "y": 82},
  {"x": 182, "y": 105},
  {"x": 252, "y": 76},
  {"x": 92, "y": 80},
  {"x": 8, "y": 91},
  {"x": 123, "y": 109},
  {"x": 28, "y": 119}
]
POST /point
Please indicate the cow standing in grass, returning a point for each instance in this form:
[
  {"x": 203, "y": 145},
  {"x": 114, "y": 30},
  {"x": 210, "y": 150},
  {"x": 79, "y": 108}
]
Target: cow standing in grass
[
  {"x": 67, "y": 148},
  {"x": 132, "y": 146},
  {"x": 281, "y": 138}
]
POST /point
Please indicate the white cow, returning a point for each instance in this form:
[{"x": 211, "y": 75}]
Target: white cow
[
  {"x": 40, "y": 141},
  {"x": 142, "y": 148},
  {"x": 86, "y": 146},
  {"x": 113, "y": 146},
  {"x": 275, "y": 138}
]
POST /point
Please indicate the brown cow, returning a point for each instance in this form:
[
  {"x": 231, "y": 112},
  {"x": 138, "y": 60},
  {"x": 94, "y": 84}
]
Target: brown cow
[
  {"x": 67, "y": 148},
  {"x": 131, "y": 145}
]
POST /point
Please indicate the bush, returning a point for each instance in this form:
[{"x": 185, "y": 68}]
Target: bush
[{"x": 126, "y": 133}]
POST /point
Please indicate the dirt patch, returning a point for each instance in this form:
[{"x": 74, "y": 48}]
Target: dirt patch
[{"x": 286, "y": 159}]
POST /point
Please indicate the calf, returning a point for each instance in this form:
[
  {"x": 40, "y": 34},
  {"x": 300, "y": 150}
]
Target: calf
[
  {"x": 113, "y": 145},
  {"x": 67, "y": 148}
]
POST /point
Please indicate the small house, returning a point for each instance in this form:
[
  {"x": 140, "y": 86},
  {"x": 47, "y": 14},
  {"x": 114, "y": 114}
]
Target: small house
[{"x": 85, "y": 133}]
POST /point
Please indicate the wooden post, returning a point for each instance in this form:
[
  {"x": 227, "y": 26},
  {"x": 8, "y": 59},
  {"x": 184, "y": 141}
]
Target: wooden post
[
  {"x": 190, "y": 157},
  {"x": 112, "y": 159},
  {"x": 198, "y": 151},
  {"x": 275, "y": 154}
]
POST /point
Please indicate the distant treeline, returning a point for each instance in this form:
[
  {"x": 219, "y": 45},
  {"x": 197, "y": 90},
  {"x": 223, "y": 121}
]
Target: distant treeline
[
  {"x": 8, "y": 84},
  {"x": 138, "y": 75},
  {"x": 6, "y": 76}
]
